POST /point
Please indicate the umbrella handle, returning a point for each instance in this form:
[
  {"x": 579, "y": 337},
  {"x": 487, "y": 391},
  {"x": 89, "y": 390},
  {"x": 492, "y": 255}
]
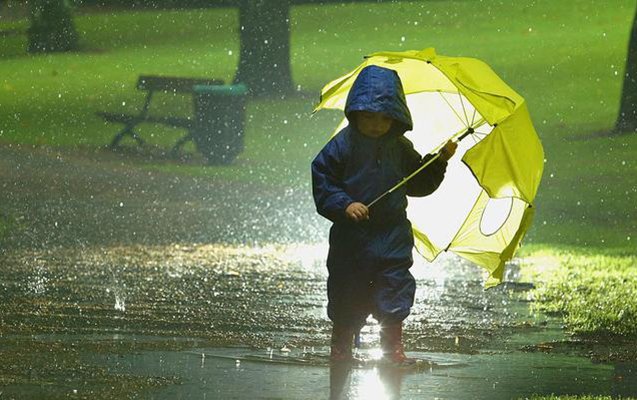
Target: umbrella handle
[{"x": 469, "y": 131}]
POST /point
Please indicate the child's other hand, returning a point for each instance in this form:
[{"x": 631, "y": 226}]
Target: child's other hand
[
  {"x": 448, "y": 150},
  {"x": 357, "y": 212}
]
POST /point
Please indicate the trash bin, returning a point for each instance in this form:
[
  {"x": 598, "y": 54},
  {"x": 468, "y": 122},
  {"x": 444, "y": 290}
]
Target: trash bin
[{"x": 219, "y": 121}]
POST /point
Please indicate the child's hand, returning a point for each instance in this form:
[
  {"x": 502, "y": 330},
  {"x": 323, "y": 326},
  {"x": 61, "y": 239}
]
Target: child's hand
[
  {"x": 448, "y": 150},
  {"x": 357, "y": 212}
]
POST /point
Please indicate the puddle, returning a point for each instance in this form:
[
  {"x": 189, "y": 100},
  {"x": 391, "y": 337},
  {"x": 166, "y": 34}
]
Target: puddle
[{"x": 215, "y": 373}]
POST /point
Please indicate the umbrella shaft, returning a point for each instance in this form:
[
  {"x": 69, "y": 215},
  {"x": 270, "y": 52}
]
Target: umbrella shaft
[
  {"x": 404, "y": 180},
  {"x": 435, "y": 157}
]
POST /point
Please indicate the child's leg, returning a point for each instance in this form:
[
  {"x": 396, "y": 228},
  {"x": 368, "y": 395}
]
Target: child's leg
[
  {"x": 394, "y": 295},
  {"x": 394, "y": 291},
  {"x": 349, "y": 304},
  {"x": 350, "y": 294}
]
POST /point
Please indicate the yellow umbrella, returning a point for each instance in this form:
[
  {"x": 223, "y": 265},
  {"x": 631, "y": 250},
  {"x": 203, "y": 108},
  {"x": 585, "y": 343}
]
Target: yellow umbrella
[{"x": 485, "y": 204}]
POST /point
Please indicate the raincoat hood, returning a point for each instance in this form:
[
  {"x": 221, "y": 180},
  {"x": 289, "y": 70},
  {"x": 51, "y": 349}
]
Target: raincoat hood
[{"x": 379, "y": 89}]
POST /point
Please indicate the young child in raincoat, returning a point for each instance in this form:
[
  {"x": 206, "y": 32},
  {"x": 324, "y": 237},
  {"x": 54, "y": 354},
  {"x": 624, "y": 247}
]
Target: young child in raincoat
[{"x": 371, "y": 249}]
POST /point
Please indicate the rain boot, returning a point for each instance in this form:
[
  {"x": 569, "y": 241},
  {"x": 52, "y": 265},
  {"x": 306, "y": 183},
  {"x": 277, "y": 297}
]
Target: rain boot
[
  {"x": 392, "y": 345},
  {"x": 341, "y": 343}
]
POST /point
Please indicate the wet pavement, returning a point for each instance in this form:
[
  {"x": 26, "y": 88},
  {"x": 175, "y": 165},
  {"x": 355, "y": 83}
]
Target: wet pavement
[
  {"x": 254, "y": 296},
  {"x": 70, "y": 197},
  {"x": 120, "y": 283},
  {"x": 203, "y": 321}
]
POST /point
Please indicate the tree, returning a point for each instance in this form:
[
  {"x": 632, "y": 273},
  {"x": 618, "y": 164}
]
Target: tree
[
  {"x": 52, "y": 28},
  {"x": 627, "y": 119},
  {"x": 264, "y": 60}
]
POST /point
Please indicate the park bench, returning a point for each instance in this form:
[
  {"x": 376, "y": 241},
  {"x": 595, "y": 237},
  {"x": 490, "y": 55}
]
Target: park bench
[{"x": 153, "y": 84}]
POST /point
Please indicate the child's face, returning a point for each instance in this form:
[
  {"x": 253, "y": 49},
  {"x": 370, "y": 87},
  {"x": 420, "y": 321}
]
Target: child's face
[{"x": 373, "y": 124}]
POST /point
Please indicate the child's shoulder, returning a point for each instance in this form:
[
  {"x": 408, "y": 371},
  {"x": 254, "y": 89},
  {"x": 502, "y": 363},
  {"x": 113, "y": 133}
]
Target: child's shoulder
[
  {"x": 341, "y": 139},
  {"x": 405, "y": 142},
  {"x": 344, "y": 134}
]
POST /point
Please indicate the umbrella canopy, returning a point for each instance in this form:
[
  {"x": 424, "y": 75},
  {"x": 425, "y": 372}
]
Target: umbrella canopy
[{"x": 484, "y": 206}]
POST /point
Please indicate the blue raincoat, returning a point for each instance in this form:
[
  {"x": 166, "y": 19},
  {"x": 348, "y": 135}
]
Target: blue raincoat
[{"x": 369, "y": 261}]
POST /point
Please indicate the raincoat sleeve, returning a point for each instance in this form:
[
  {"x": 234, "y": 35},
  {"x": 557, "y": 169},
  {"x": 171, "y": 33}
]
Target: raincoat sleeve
[
  {"x": 327, "y": 182},
  {"x": 427, "y": 180}
]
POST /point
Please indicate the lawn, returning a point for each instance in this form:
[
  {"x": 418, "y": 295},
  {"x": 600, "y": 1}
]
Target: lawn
[
  {"x": 566, "y": 58},
  {"x": 571, "y": 89},
  {"x": 584, "y": 397}
]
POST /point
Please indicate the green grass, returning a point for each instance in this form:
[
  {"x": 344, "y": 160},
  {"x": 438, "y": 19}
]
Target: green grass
[
  {"x": 52, "y": 99},
  {"x": 595, "y": 292},
  {"x": 588, "y": 195},
  {"x": 582, "y": 397},
  {"x": 3, "y": 228},
  {"x": 566, "y": 58}
]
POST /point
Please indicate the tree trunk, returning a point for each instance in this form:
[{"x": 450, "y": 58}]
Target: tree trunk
[
  {"x": 627, "y": 119},
  {"x": 264, "y": 61},
  {"x": 52, "y": 27}
]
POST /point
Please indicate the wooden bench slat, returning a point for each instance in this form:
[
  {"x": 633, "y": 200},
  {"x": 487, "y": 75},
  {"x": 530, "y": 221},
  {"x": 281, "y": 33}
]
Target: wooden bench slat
[
  {"x": 117, "y": 117},
  {"x": 177, "y": 122},
  {"x": 173, "y": 83}
]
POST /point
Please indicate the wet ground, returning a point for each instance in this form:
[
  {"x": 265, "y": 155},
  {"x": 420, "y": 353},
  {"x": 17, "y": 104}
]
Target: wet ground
[{"x": 117, "y": 282}]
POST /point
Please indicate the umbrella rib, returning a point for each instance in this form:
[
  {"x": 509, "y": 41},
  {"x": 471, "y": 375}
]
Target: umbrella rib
[
  {"x": 473, "y": 116},
  {"x": 452, "y": 109},
  {"x": 478, "y": 123},
  {"x": 464, "y": 110}
]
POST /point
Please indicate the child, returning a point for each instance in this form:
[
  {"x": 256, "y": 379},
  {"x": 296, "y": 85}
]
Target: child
[{"x": 371, "y": 249}]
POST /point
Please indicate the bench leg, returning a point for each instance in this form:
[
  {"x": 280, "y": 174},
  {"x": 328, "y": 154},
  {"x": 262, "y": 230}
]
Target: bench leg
[
  {"x": 183, "y": 140},
  {"x": 140, "y": 141},
  {"x": 128, "y": 130}
]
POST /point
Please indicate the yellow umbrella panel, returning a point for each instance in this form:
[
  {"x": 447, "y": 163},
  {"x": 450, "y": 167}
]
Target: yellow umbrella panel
[{"x": 484, "y": 205}]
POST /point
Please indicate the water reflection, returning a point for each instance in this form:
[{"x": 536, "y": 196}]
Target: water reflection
[
  {"x": 338, "y": 379},
  {"x": 494, "y": 377},
  {"x": 381, "y": 382}
]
